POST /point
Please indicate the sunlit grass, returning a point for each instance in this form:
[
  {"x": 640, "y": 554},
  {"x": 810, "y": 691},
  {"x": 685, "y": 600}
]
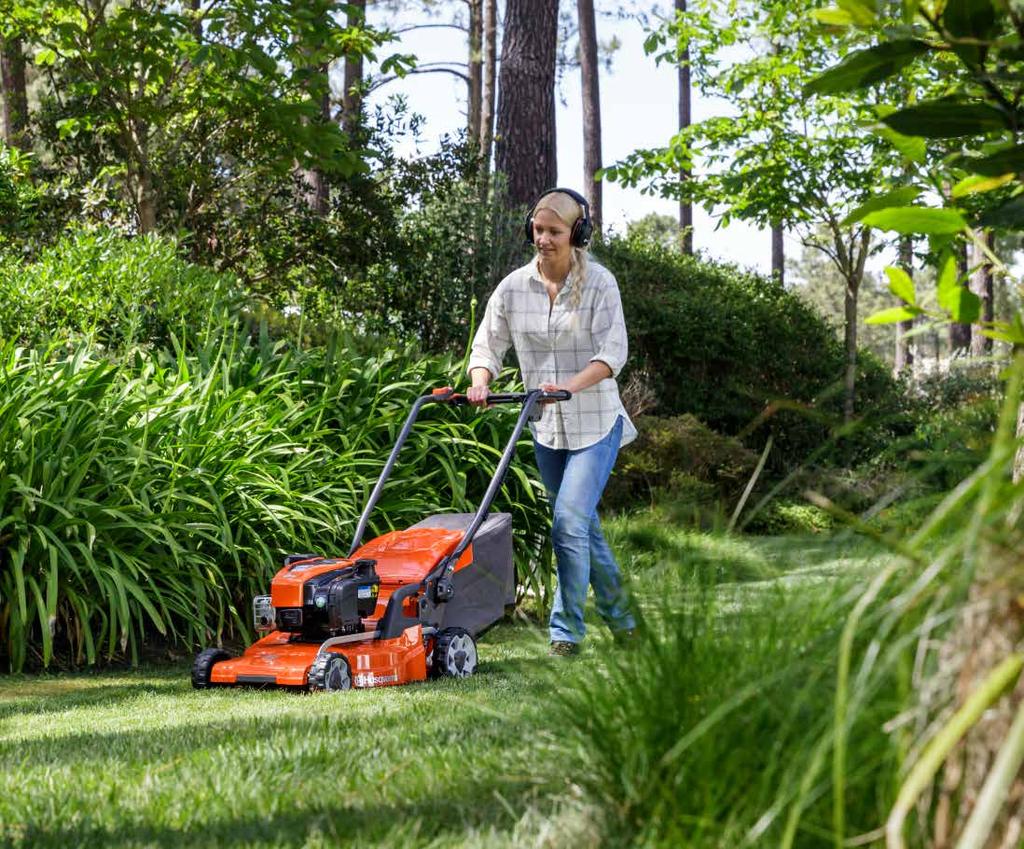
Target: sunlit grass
[{"x": 137, "y": 758}]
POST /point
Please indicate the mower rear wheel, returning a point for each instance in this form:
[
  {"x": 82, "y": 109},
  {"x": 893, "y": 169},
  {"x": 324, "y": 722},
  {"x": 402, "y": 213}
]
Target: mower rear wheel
[
  {"x": 455, "y": 654},
  {"x": 202, "y": 667},
  {"x": 330, "y": 673}
]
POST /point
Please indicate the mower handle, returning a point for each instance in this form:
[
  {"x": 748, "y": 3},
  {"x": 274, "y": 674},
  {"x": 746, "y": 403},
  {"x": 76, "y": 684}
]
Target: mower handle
[{"x": 448, "y": 395}]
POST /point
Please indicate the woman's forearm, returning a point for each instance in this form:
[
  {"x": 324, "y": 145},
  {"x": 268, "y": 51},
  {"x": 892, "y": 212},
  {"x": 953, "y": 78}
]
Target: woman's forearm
[
  {"x": 480, "y": 376},
  {"x": 594, "y": 372}
]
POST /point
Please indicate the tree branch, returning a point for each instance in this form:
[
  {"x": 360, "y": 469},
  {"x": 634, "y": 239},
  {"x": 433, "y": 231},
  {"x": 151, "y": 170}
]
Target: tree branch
[
  {"x": 404, "y": 30},
  {"x": 383, "y": 81}
]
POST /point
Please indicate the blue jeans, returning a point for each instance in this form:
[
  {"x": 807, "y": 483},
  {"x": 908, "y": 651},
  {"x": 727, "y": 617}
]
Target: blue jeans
[{"x": 575, "y": 481}]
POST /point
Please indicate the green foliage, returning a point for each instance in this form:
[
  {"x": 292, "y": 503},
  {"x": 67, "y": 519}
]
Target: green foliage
[
  {"x": 740, "y": 352},
  {"x": 172, "y": 118},
  {"x": 680, "y": 459},
  {"x": 159, "y": 493},
  {"x": 119, "y": 292},
  {"x": 790, "y": 517},
  {"x": 972, "y": 101},
  {"x": 24, "y": 207},
  {"x": 956, "y": 432},
  {"x": 451, "y": 247},
  {"x": 703, "y": 735}
]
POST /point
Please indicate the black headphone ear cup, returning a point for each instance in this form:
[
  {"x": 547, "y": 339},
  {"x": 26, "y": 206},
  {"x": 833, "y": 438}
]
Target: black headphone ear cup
[
  {"x": 529, "y": 229},
  {"x": 581, "y": 232}
]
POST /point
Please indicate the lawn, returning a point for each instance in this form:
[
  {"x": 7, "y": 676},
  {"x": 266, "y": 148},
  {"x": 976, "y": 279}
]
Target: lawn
[{"x": 137, "y": 758}]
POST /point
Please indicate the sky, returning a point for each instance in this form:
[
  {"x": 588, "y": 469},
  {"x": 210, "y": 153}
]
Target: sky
[{"x": 639, "y": 109}]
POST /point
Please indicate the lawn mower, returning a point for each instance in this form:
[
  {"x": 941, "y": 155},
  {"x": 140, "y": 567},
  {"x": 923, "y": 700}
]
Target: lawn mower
[{"x": 402, "y": 607}]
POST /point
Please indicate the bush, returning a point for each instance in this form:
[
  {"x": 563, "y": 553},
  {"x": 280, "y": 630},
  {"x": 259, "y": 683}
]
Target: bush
[
  {"x": 157, "y": 493},
  {"x": 116, "y": 291},
  {"x": 742, "y": 354},
  {"x": 678, "y": 458},
  {"x": 789, "y": 517}
]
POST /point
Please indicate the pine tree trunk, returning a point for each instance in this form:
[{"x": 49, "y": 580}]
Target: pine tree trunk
[
  {"x": 475, "y": 67},
  {"x": 590, "y": 72},
  {"x": 352, "y": 96},
  {"x": 904, "y": 359},
  {"x": 15, "y": 99},
  {"x": 982, "y": 286},
  {"x": 778, "y": 255},
  {"x": 685, "y": 98},
  {"x": 525, "y": 139}
]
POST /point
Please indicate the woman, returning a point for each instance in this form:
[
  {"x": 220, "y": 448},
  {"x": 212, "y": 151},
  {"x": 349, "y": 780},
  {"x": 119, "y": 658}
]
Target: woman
[{"x": 563, "y": 315}]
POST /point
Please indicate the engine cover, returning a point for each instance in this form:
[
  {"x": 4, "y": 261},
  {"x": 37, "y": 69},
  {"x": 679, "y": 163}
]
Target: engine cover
[{"x": 334, "y": 602}]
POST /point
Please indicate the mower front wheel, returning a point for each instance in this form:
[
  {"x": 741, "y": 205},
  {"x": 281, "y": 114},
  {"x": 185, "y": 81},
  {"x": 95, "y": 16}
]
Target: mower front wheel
[
  {"x": 329, "y": 673},
  {"x": 202, "y": 667},
  {"x": 455, "y": 654}
]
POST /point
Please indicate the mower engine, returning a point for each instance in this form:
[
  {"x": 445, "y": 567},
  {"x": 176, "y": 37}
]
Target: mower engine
[{"x": 334, "y": 602}]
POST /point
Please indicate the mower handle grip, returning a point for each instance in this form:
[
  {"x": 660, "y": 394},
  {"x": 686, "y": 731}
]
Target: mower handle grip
[{"x": 447, "y": 395}]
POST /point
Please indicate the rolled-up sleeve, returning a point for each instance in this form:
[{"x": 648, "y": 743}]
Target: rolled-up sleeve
[
  {"x": 492, "y": 337},
  {"x": 608, "y": 329}
]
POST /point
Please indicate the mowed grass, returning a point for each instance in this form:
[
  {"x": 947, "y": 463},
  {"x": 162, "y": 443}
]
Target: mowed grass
[{"x": 137, "y": 758}]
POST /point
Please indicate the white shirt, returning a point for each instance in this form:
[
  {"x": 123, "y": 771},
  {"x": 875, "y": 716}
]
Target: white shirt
[{"x": 554, "y": 342}]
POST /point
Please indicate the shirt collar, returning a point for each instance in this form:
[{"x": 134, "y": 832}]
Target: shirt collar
[{"x": 568, "y": 286}]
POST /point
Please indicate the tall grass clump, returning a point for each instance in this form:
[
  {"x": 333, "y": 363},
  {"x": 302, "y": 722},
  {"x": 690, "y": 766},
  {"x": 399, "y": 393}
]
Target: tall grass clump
[
  {"x": 702, "y": 734},
  {"x": 157, "y": 493},
  {"x": 880, "y": 708}
]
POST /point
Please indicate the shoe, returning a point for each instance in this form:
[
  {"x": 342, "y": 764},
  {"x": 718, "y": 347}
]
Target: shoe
[{"x": 563, "y": 648}]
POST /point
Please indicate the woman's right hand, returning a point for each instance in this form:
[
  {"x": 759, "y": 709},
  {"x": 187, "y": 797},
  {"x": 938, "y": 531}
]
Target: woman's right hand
[{"x": 477, "y": 395}]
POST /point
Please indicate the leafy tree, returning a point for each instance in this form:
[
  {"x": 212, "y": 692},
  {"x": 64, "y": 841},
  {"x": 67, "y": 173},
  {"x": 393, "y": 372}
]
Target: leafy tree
[
  {"x": 182, "y": 110},
  {"x": 975, "y": 47},
  {"x": 782, "y": 160}
]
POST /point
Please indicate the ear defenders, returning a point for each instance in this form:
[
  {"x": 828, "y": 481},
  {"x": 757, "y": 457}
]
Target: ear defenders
[{"x": 582, "y": 228}]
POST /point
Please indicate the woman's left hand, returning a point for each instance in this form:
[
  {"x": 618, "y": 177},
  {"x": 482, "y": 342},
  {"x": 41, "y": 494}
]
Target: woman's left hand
[{"x": 551, "y": 387}]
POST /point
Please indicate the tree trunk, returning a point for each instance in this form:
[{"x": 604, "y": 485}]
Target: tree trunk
[
  {"x": 982, "y": 286},
  {"x": 590, "y": 72},
  {"x": 850, "y": 344},
  {"x": 197, "y": 21},
  {"x": 778, "y": 255},
  {"x": 850, "y": 259},
  {"x": 352, "y": 96},
  {"x": 15, "y": 99},
  {"x": 685, "y": 98},
  {"x": 314, "y": 182},
  {"x": 145, "y": 202},
  {"x": 904, "y": 360},
  {"x": 490, "y": 71},
  {"x": 960, "y": 334},
  {"x": 525, "y": 138},
  {"x": 475, "y": 67}
]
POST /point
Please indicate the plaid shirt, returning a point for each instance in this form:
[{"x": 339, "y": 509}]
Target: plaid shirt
[{"x": 555, "y": 342}]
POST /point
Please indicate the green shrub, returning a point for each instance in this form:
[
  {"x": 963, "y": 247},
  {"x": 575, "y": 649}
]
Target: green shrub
[
  {"x": 789, "y": 517},
  {"x": 678, "y": 458},
  {"x": 744, "y": 355},
  {"x": 116, "y": 291},
  {"x": 157, "y": 493}
]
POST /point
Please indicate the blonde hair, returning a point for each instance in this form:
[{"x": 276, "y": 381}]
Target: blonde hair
[{"x": 569, "y": 211}]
